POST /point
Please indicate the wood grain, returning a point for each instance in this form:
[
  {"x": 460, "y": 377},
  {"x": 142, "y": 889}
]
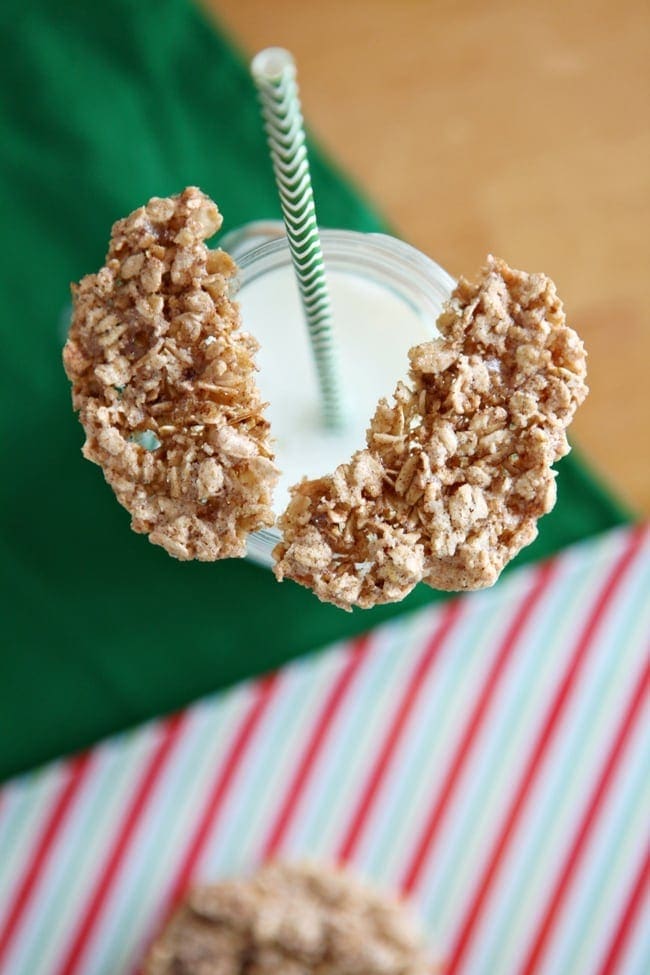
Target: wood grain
[{"x": 514, "y": 128}]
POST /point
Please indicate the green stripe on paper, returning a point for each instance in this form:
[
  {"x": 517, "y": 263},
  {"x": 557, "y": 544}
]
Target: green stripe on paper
[
  {"x": 95, "y": 830},
  {"x": 530, "y": 686},
  {"x": 562, "y": 798},
  {"x": 364, "y": 723},
  {"x": 479, "y": 631},
  {"x": 616, "y": 862},
  {"x": 177, "y": 819}
]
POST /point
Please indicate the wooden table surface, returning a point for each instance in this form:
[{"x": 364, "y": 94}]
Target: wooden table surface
[{"x": 514, "y": 128}]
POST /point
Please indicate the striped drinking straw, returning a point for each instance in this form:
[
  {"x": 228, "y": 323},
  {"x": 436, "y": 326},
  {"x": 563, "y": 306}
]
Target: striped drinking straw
[{"x": 274, "y": 73}]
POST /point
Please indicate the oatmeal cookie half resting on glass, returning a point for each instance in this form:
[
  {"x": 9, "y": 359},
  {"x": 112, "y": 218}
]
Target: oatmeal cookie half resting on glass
[
  {"x": 164, "y": 382},
  {"x": 458, "y": 466}
]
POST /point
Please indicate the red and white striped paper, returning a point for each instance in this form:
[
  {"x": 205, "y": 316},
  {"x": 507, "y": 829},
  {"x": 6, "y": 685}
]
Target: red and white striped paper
[{"x": 488, "y": 758}]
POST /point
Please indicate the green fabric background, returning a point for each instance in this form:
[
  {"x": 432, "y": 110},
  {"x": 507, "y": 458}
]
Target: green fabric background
[{"x": 103, "y": 106}]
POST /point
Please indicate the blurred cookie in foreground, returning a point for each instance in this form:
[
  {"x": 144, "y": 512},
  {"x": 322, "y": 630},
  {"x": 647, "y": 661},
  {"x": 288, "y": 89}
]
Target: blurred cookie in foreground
[
  {"x": 164, "y": 381},
  {"x": 289, "y": 920}
]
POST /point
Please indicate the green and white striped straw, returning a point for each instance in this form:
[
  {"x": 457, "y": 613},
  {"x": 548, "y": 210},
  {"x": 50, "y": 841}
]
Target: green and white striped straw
[{"x": 274, "y": 73}]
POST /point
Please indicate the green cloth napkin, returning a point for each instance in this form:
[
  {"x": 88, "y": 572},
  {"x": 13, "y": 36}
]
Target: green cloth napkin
[{"x": 103, "y": 106}]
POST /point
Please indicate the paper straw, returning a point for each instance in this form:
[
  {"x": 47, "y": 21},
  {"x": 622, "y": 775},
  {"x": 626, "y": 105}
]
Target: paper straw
[{"x": 274, "y": 73}]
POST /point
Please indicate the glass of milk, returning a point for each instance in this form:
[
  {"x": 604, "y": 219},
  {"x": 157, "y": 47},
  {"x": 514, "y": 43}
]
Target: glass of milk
[{"x": 386, "y": 297}]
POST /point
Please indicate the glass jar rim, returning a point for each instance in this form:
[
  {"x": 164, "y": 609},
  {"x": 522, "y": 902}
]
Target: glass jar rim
[{"x": 378, "y": 256}]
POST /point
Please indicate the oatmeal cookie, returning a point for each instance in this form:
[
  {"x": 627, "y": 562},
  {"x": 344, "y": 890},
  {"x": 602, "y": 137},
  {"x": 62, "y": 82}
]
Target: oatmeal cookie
[
  {"x": 289, "y": 920},
  {"x": 458, "y": 467},
  {"x": 163, "y": 379}
]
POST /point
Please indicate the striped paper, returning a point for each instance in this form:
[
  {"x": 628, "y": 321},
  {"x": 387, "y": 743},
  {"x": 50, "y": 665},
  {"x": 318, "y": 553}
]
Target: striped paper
[{"x": 488, "y": 758}]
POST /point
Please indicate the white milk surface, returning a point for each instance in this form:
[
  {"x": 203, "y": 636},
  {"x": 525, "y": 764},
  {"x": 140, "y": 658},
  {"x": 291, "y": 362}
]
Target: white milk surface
[{"x": 374, "y": 328}]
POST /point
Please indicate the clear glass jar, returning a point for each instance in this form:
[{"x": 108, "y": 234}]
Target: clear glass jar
[{"x": 387, "y": 273}]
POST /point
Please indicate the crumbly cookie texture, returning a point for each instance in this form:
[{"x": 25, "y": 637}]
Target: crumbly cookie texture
[
  {"x": 289, "y": 920},
  {"x": 458, "y": 467},
  {"x": 163, "y": 379}
]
